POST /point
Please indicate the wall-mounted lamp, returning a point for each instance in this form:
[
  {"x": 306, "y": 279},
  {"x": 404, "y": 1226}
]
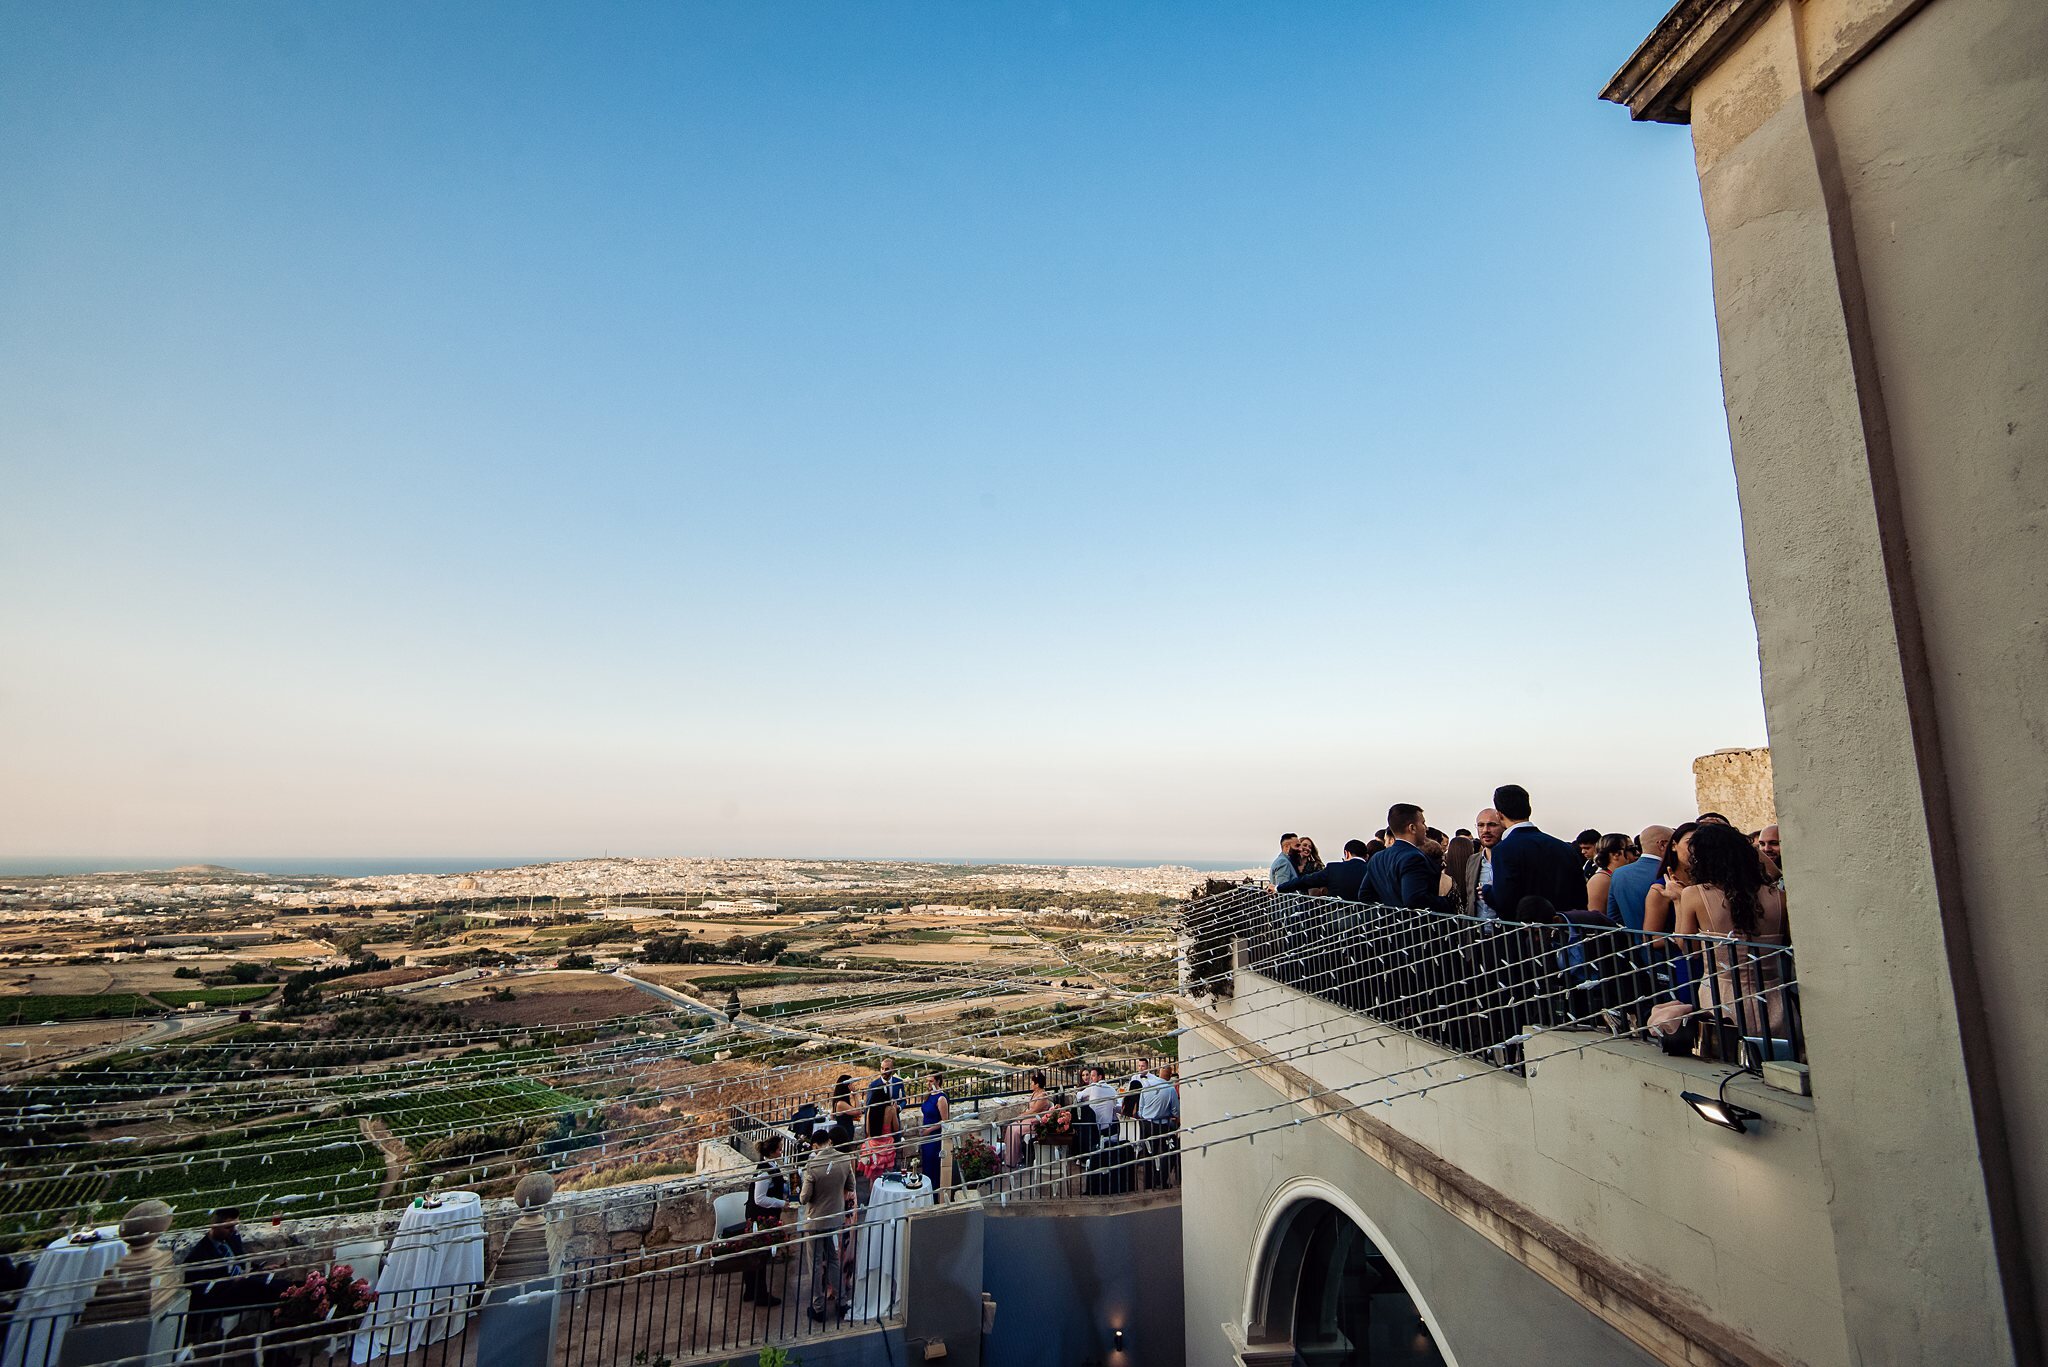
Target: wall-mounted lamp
[
  {"x": 1719, "y": 1110},
  {"x": 1118, "y": 1336}
]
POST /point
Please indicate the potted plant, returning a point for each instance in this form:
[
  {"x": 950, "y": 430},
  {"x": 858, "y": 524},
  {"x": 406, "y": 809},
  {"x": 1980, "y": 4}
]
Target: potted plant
[
  {"x": 1055, "y": 1128},
  {"x": 324, "y": 1304},
  {"x": 348, "y": 1297},
  {"x": 974, "y": 1161}
]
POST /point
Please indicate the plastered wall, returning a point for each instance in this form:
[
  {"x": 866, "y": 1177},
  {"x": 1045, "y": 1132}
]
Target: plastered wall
[
  {"x": 1597, "y": 1141},
  {"x": 1872, "y": 176}
]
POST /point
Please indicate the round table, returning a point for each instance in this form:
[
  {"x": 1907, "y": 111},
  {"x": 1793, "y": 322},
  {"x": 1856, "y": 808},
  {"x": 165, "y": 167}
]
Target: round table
[
  {"x": 56, "y": 1292},
  {"x": 429, "y": 1278},
  {"x": 878, "y": 1243}
]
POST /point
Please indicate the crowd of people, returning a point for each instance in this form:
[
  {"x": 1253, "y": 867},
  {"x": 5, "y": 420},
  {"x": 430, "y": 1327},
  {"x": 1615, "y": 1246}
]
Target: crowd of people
[
  {"x": 868, "y": 1131},
  {"x": 1701, "y": 877},
  {"x": 1689, "y": 886}
]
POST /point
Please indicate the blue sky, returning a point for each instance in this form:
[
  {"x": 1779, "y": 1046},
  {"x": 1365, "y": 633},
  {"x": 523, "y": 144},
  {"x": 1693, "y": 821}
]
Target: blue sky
[{"x": 1027, "y": 430}]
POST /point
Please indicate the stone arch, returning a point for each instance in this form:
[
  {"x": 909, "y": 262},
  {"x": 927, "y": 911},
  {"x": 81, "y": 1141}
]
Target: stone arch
[{"x": 1321, "y": 1271}]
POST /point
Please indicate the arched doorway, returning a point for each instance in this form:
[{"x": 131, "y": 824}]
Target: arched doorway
[{"x": 1325, "y": 1295}]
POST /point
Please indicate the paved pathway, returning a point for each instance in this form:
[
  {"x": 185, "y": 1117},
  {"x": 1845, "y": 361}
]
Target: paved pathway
[{"x": 685, "y": 1000}]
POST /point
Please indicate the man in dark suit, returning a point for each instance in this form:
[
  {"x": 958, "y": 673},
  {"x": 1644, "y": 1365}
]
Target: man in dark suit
[
  {"x": 1401, "y": 875},
  {"x": 1345, "y": 877},
  {"x": 222, "y": 1284},
  {"x": 1528, "y": 863}
]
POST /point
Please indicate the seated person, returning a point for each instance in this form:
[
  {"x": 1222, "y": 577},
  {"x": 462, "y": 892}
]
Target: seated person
[{"x": 218, "y": 1275}]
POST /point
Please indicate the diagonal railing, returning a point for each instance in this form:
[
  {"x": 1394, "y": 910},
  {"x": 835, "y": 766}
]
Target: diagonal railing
[{"x": 1480, "y": 987}]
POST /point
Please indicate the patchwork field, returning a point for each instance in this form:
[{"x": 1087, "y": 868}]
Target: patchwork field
[{"x": 358, "y": 1083}]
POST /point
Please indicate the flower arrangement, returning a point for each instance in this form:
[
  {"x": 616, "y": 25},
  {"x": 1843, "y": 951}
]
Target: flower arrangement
[
  {"x": 339, "y": 1294},
  {"x": 1055, "y": 1127},
  {"x": 974, "y": 1159},
  {"x": 349, "y": 1294}
]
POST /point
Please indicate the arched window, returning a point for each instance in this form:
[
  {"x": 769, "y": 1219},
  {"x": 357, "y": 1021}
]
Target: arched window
[{"x": 1325, "y": 1295}]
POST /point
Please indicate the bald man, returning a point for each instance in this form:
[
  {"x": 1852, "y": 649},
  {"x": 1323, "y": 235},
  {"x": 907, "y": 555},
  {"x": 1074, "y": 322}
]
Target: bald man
[
  {"x": 1631, "y": 882},
  {"x": 1768, "y": 845},
  {"x": 1478, "y": 870}
]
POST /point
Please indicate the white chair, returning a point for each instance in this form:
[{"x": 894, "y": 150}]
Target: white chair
[
  {"x": 728, "y": 1210},
  {"x": 364, "y": 1255}
]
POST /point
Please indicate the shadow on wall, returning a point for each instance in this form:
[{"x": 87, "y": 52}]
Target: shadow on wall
[{"x": 1065, "y": 1284}]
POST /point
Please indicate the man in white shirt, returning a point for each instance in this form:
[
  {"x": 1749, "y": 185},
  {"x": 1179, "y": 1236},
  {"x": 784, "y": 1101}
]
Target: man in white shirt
[
  {"x": 1477, "y": 874},
  {"x": 1100, "y": 1097}
]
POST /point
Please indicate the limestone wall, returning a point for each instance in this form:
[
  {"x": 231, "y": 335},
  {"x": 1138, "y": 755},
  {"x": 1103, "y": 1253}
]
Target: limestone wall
[
  {"x": 629, "y": 1218},
  {"x": 1737, "y": 784}
]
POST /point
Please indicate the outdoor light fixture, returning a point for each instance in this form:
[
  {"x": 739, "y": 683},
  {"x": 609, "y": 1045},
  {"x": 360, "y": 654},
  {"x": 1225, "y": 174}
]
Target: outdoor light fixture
[
  {"x": 1118, "y": 1334},
  {"x": 1719, "y": 1110}
]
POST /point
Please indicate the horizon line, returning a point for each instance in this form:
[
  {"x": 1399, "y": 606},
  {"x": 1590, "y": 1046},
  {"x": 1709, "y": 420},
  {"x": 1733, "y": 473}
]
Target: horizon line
[{"x": 19, "y": 865}]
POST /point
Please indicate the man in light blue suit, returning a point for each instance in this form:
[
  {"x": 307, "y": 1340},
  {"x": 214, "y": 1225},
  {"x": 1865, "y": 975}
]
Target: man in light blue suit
[
  {"x": 1283, "y": 865},
  {"x": 1631, "y": 882}
]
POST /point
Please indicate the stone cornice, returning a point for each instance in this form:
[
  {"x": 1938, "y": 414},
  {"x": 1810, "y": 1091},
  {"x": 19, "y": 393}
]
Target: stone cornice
[{"x": 1656, "y": 81}]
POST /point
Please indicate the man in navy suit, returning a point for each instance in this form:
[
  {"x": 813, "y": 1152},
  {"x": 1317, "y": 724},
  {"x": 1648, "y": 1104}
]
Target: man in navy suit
[
  {"x": 1345, "y": 877},
  {"x": 1401, "y": 875},
  {"x": 1528, "y": 863}
]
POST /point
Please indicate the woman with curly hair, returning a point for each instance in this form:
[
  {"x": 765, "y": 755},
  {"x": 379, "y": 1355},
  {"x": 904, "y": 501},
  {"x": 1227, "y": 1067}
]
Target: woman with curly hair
[
  {"x": 1308, "y": 860},
  {"x": 1727, "y": 898}
]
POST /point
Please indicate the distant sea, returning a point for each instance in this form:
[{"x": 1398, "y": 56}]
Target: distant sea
[
  {"x": 334, "y": 866},
  {"x": 23, "y": 866}
]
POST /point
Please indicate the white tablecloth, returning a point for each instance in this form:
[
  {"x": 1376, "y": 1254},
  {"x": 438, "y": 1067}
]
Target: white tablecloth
[
  {"x": 878, "y": 1245},
  {"x": 57, "y": 1291},
  {"x": 424, "y": 1290}
]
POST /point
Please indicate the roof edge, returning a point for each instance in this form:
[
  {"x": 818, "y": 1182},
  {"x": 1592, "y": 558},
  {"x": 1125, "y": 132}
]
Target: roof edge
[{"x": 1656, "y": 81}]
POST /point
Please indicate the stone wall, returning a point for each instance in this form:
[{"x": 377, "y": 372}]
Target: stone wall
[
  {"x": 1737, "y": 784},
  {"x": 629, "y": 1218},
  {"x": 655, "y": 1214}
]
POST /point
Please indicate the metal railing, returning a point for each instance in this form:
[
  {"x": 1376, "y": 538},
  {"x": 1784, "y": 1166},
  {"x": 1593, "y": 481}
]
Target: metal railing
[
  {"x": 425, "y": 1327},
  {"x": 779, "y": 1286},
  {"x": 1088, "y": 1162},
  {"x": 1479, "y": 987}
]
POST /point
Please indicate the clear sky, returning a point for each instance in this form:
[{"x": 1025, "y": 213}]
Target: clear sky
[{"x": 1116, "y": 430}]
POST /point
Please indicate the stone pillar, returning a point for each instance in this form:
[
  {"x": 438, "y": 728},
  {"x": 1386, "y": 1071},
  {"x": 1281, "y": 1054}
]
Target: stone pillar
[
  {"x": 134, "y": 1311},
  {"x": 1737, "y": 784},
  {"x": 516, "y": 1325},
  {"x": 1878, "y": 374}
]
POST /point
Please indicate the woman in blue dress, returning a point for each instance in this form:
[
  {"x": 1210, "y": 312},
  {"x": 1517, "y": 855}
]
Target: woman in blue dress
[{"x": 935, "y": 1109}]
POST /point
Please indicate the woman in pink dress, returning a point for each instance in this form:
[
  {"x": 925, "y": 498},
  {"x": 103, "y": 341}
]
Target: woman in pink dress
[{"x": 1728, "y": 900}]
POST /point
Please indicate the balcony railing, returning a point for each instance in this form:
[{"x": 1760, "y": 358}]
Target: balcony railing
[
  {"x": 1481, "y": 987},
  {"x": 671, "y": 1304},
  {"x": 423, "y": 1327}
]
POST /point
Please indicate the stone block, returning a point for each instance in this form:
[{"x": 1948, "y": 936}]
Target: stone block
[
  {"x": 1737, "y": 784},
  {"x": 684, "y": 1217},
  {"x": 629, "y": 1212},
  {"x": 569, "y": 1246}
]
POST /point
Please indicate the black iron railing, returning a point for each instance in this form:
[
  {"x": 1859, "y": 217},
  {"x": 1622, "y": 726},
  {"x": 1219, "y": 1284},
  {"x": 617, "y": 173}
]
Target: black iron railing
[
  {"x": 425, "y": 1327},
  {"x": 782, "y": 1286}
]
